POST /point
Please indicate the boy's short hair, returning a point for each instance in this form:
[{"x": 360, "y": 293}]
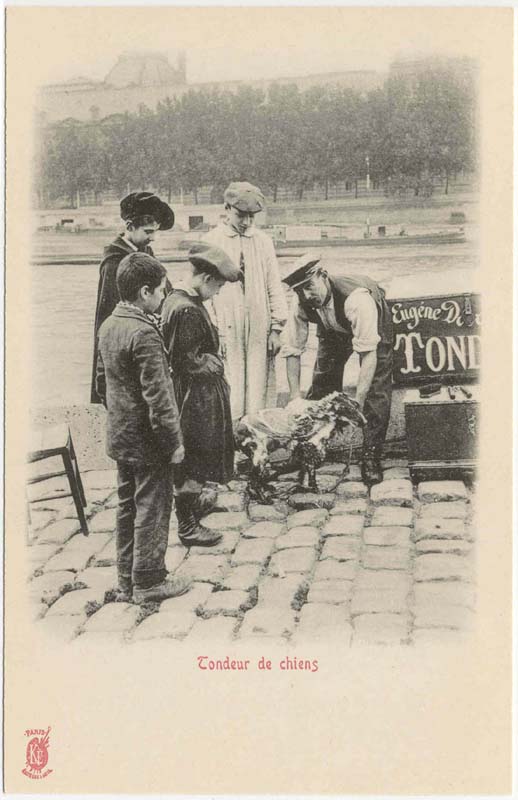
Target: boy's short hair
[
  {"x": 138, "y": 270},
  {"x": 139, "y": 221}
]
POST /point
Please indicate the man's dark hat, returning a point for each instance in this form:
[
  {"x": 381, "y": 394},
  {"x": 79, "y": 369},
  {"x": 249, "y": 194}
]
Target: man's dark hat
[
  {"x": 204, "y": 255},
  {"x": 302, "y": 270},
  {"x": 143, "y": 204}
]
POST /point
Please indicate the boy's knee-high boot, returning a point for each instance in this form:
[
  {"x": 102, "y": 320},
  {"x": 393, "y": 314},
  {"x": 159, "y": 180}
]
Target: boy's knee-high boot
[{"x": 189, "y": 532}]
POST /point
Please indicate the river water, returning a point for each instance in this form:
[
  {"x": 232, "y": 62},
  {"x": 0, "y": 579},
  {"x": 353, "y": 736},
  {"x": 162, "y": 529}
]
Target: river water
[{"x": 63, "y": 303}]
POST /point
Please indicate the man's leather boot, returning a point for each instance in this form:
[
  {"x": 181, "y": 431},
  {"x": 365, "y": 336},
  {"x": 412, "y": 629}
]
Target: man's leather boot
[
  {"x": 189, "y": 532},
  {"x": 371, "y": 467},
  {"x": 204, "y": 503}
]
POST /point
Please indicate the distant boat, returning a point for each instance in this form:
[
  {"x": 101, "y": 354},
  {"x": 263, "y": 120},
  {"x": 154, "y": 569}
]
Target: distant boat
[{"x": 446, "y": 237}]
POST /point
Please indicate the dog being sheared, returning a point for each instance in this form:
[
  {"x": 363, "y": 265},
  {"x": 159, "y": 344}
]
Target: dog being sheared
[{"x": 305, "y": 435}]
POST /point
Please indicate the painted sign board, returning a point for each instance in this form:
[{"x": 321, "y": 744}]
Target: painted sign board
[{"x": 436, "y": 339}]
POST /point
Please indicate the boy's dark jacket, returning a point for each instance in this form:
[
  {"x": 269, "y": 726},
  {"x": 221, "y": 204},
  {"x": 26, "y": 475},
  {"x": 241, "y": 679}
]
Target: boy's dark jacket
[
  {"x": 143, "y": 425},
  {"x": 108, "y": 294}
]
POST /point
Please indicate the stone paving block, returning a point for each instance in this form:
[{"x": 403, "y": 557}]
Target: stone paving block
[
  {"x": 457, "y": 546},
  {"x": 327, "y": 483},
  {"x": 324, "y": 622},
  {"x": 382, "y": 579},
  {"x": 396, "y": 473},
  {"x": 258, "y": 512},
  {"x": 379, "y": 601},
  {"x": 230, "y": 501},
  {"x": 354, "y": 473},
  {"x": 288, "y": 477},
  {"x": 437, "y": 491},
  {"x": 351, "y": 489},
  {"x": 166, "y": 626},
  {"x": 252, "y": 551},
  {"x": 194, "y": 600},
  {"x": 311, "y": 518},
  {"x": 295, "y": 559},
  {"x": 438, "y": 636},
  {"x": 265, "y": 529},
  {"x": 430, "y": 528},
  {"x": 61, "y": 628},
  {"x": 392, "y": 516},
  {"x": 227, "y": 545},
  {"x": 217, "y": 629},
  {"x": 268, "y": 621},
  {"x": 58, "y": 506},
  {"x": 298, "y": 537},
  {"x": 107, "y": 555},
  {"x": 341, "y": 548},
  {"x": 75, "y": 602},
  {"x": 395, "y": 492},
  {"x": 99, "y": 479},
  {"x": 385, "y": 536},
  {"x": 39, "y": 519},
  {"x": 48, "y": 587},
  {"x": 440, "y": 567},
  {"x": 356, "y": 505},
  {"x": 231, "y": 603},
  {"x": 58, "y": 485},
  {"x": 174, "y": 556},
  {"x": 77, "y": 553},
  {"x": 455, "y": 509},
  {"x": 244, "y": 577},
  {"x": 39, "y": 554},
  {"x": 303, "y": 500},
  {"x": 102, "y": 497},
  {"x": 206, "y": 569},
  {"x": 385, "y": 558},
  {"x": 454, "y": 593},
  {"x": 99, "y": 578},
  {"x": 335, "y": 570},
  {"x": 330, "y": 592},
  {"x": 59, "y": 532},
  {"x": 280, "y": 592},
  {"x": 331, "y": 469},
  {"x": 443, "y": 616},
  {"x": 113, "y": 618},
  {"x": 345, "y": 525},
  {"x": 226, "y": 520},
  {"x": 381, "y": 629},
  {"x": 104, "y": 520}
]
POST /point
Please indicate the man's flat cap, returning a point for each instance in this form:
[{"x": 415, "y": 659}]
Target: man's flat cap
[
  {"x": 245, "y": 197},
  {"x": 302, "y": 270},
  {"x": 144, "y": 204},
  {"x": 212, "y": 259}
]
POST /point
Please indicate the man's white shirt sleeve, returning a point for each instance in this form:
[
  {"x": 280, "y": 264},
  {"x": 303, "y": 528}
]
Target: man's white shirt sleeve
[{"x": 362, "y": 312}]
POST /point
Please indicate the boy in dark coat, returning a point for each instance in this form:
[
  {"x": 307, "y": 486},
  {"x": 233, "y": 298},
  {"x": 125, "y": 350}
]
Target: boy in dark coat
[
  {"x": 143, "y": 428},
  {"x": 202, "y": 393},
  {"x": 143, "y": 214}
]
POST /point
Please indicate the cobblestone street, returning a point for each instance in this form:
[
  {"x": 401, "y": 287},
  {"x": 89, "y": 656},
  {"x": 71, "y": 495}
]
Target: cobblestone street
[{"x": 393, "y": 566}]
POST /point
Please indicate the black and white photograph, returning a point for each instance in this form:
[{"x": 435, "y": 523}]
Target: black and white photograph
[{"x": 255, "y": 344}]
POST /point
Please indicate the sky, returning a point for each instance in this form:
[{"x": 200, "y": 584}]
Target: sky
[{"x": 238, "y": 43}]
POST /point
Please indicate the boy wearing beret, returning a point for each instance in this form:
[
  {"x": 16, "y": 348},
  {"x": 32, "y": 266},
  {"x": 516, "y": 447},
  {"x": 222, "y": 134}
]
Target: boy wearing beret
[
  {"x": 202, "y": 392},
  {"x": 143, "y": 214},
  {"x": 143, "y": 429}
]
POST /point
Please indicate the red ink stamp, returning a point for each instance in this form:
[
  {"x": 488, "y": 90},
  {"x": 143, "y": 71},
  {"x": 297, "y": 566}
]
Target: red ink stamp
[{"x": 37, "y": 753}]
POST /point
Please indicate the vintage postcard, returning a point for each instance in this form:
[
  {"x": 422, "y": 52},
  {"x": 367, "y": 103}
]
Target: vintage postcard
[{"x": 258, "y": 400}]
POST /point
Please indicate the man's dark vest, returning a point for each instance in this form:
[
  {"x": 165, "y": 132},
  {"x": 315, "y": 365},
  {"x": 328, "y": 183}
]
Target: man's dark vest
[{"x": 341, "y": 288}]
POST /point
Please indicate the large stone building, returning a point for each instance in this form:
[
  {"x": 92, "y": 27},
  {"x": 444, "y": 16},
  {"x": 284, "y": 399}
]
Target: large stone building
[{"x": 146, "y": 78}]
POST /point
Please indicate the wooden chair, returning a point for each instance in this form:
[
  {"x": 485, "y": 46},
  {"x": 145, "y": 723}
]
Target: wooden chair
[{"x": 57, "y": 441}]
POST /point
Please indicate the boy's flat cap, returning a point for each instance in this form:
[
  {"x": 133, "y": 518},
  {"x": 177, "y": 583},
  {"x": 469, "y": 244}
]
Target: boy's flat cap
[
  {"x": 204, "y": 255},
  {"x": 245, "y": 197},
  {"x": 143, "y": 204},
  {"x": 302, "y": 270}
]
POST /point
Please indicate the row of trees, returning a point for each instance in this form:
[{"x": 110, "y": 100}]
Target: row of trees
[{"x": 411, "y": 130}]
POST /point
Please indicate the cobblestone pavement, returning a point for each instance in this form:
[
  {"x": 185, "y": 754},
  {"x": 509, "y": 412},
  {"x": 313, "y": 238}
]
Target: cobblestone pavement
[{"x": 393, "y": 566}]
